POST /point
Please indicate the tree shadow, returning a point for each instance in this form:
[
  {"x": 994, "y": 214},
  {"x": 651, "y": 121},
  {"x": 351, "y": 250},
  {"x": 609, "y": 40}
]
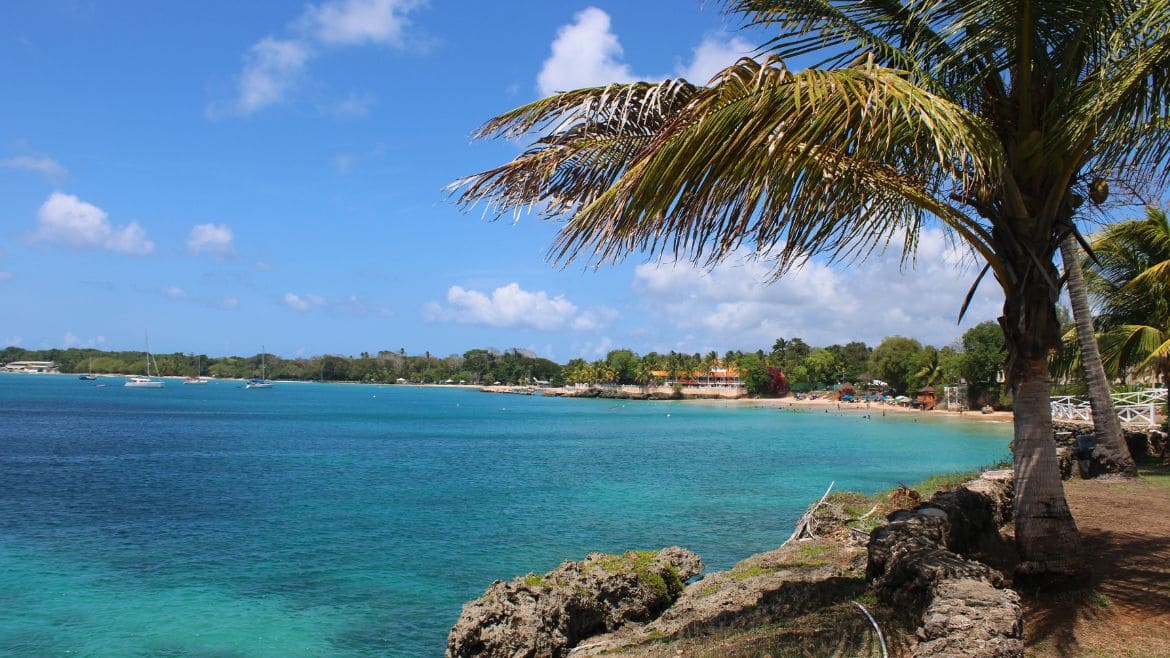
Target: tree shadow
[{"x": 1126, "y": 572}]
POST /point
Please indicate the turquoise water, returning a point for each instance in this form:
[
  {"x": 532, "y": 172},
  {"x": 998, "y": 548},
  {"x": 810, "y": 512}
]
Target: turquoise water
[{"x": 352, "y": 520}]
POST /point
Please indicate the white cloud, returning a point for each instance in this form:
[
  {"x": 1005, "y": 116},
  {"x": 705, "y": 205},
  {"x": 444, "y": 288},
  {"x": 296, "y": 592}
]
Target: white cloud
[
  {"x": 303, "y": 302},
  {"x": 4, "y": 276},
  {"x": 37, "y": 164},
  {"x": 714, "y": 55},
  {"x": 272, "y": 68},
  {"x": 732, "y": 306},
  {"x": 11, "y": 341},
  {"x": 211, "y": 239},
  {"x": 585, "y": 54},
  {"x": 358, "y": 22},
  {"x": 512, "y": 306},
  {"x": 174, "y": 292},
  {"x": 230, "y": 303},
  {"x": 66, "y": 219}
]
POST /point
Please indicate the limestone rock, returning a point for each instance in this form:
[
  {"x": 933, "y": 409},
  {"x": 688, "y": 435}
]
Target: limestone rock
[{"x": 547, "y": 615}]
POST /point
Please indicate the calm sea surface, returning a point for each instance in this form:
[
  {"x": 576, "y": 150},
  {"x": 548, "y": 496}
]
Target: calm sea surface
[{"x": 353, "y": 520}]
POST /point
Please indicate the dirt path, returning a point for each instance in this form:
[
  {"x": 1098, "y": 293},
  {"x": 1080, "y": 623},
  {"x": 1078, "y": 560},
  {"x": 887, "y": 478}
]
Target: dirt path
[{"x": 1125, "y": 608}]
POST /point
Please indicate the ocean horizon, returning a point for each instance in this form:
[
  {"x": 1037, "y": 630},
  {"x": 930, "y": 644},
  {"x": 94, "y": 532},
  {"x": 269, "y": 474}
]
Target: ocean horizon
[{"x": 314, "y": 519}]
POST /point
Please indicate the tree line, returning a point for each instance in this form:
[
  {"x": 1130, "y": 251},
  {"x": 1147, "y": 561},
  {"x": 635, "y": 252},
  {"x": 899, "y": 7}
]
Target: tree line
[{"x": 477, "y": 366}]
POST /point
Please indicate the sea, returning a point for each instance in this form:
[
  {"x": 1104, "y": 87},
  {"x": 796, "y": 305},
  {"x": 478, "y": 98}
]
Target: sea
[{"x": 355, "y": 520}]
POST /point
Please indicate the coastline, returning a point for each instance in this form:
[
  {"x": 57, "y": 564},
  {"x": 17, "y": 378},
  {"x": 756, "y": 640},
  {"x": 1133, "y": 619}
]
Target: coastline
[{"x": 719, "y": 397}]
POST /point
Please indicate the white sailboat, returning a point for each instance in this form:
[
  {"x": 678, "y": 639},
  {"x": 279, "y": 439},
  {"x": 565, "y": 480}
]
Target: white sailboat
[
  {"x": 260, "y": 382},
  {"x": 198, "y": 378},
  {"x": 139, "y": 381}
]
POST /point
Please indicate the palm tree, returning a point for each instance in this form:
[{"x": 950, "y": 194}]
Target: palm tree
[
  {"x": 994, "y": 118},
  {"x": 931, "y": 370},
  {"x": 1131, "y": 283},
  {"x": 1112, "y": 450}
]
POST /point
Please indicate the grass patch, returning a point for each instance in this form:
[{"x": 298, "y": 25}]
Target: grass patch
[
  {"x": 1099, "y": 600},
  {"x": 1155, "y": 473},
  {"x": 750, "y": 571},
  {"x": 666, "y": 583},
  {"x": 534, "y": 580}
]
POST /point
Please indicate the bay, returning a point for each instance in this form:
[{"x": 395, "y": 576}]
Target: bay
[{"x": 354, "y": 520}]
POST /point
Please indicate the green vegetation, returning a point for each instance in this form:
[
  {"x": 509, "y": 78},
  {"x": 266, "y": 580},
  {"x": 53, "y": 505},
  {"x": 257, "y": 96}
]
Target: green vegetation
[
  {"x": 534, "y": 580},
  {"x": 473, "y": 367},
  {"x": 806, "y": 368},
  {"x": 667, "y": 583}
]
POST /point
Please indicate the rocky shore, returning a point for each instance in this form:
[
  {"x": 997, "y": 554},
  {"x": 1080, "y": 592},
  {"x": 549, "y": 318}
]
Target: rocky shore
[{"x": 920, "y": 573}]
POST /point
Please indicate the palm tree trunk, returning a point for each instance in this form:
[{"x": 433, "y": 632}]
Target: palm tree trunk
[
  {"x": 1112, "y": 451},
  {"x": 1046, "y": 535}
]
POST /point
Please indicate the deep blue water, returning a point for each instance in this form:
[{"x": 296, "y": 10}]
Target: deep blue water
[{"x": 353, "y": 520}]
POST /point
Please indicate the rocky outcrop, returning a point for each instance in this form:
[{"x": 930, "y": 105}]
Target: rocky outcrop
[
  {"x": 917, "y": 565},
  {"x": 548, "y": 615},
  {"x": 766, "y": 588}
]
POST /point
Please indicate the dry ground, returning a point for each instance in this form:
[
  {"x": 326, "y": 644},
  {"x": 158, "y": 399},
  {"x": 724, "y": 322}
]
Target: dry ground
[{"x": 1123, "y": 609}]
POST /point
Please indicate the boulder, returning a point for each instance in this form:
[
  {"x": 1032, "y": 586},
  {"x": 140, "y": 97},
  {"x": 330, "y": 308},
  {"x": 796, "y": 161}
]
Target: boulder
[
  {"x": 548, "y": 615},
  {"x": 917, "y": 564}
]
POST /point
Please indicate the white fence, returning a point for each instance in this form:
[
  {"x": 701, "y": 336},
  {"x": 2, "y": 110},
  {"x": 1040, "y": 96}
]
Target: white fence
[{"x": 1136, "y": 408}]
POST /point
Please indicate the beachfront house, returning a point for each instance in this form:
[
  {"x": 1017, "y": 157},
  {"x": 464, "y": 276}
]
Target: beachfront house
[{"x": 31, "y": 366}]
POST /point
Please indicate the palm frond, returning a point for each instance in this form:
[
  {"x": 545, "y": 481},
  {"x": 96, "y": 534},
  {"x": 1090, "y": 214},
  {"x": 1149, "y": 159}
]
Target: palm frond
[{"x": 794, "y": 163}]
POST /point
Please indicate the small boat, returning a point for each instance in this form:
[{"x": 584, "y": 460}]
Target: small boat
[
  {"x": 198, "y": 377},
  {"x": 88, "y": 376},
  {"x": 140, "y": 381},
  {"x": 260, "y": 382}
]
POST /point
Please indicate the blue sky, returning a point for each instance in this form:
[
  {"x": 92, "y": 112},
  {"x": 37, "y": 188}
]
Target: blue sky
[{"x": 229, "y": 175}]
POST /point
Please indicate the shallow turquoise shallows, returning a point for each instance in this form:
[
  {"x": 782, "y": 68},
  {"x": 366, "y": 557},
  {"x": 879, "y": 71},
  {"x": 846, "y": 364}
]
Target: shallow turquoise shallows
[{"x": 353, "y": 520}]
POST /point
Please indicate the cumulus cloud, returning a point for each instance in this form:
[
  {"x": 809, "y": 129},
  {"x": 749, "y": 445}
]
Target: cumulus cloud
[
  {"x": 512, "y": 306},
  {"x": 274, "y": 67},
  {"x": 584, "y": 54},
  {"x": 37, "y": 164},
  {"x": 4, "y": 276},
  {"x": 588, "y": 53},
  {"x": 733, "y": 306},
  {"x": 714, "y": 55},
  {"x": 229, "y": 303},
  {"x": 174, "y": 292},
  {"x": 12, "y": 341},
  {"x": 66, "y": 219},
  {"x": 303, "y": 302},
  {"x": 212, "y": 239}
]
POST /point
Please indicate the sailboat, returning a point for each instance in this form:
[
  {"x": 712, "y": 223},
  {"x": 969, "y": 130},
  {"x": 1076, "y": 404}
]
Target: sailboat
[
  {"x": 198, "y": 378},
  {"x": 139, "y": 381},
  {"x": 88, "y": 376},
  {"x": 260, "y": 382}
]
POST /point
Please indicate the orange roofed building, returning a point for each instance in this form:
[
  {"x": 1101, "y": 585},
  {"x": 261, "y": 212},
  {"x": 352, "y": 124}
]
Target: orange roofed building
[{"x": 717, "y": 377}]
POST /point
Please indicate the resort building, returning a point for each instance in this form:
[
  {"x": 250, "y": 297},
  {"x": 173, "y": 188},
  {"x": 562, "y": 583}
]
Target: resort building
[
  {"x": 716, "y": 377},
  {"x": 31, "y": 366}
]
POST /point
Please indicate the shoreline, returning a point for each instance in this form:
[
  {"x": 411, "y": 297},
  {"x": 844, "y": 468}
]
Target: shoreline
[{"x": 722, "y": 398}]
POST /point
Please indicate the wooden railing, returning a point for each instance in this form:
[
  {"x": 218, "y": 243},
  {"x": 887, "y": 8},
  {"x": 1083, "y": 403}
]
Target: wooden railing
[{"x": 1135, "y": 408}]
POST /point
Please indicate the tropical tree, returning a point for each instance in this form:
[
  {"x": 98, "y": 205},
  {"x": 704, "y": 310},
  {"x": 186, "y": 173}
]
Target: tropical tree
[
  {"x": 990, "y": 117},
  {"x": 1130, "y": 280},
  {"x": 1112, "y": 451},
  {"x": 932, "y": 367}
]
